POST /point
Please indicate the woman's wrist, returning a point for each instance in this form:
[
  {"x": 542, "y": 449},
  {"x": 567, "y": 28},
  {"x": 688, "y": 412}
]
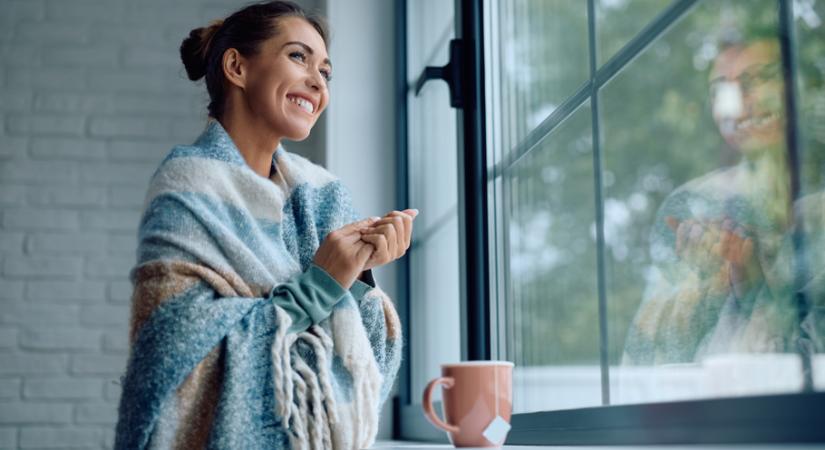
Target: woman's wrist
[{"x": 323, "y": 274}]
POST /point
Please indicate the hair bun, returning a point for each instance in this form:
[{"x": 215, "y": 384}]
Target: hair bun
[{"x": 195, "y": 48}]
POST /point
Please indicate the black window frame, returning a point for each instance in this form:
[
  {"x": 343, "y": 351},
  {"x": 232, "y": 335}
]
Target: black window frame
[{"x": 796, "y": 417}]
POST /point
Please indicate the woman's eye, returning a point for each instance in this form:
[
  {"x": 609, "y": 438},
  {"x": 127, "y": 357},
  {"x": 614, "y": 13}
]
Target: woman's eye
[
  {"x": 298, "y": 55},
  {"x": 327, "y": 75}
]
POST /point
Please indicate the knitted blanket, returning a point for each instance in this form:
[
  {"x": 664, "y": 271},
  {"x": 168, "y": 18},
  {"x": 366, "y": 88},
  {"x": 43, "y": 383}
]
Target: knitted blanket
[{"x": 212, "y": 361}]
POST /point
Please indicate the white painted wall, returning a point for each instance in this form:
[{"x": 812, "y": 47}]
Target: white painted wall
[{"x": 361, "y": 114}]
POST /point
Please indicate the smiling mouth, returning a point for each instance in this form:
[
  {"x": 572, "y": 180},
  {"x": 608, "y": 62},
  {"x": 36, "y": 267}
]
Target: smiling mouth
[
  {"x": 303, "y": 103},
  {"x": 756, "y": 122}
]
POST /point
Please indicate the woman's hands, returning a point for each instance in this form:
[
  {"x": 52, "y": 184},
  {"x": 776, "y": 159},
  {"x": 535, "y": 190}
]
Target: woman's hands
[
  {"x": 718, "y": 247},
  {"x": 390, "y": 236},
  {"x": 362, "y": 245},
  {"x": 343, "y": 253}
]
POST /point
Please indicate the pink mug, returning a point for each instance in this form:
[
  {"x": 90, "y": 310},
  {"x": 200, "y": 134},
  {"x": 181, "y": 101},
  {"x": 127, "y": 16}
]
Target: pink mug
[{"x": 477, "y": 399}]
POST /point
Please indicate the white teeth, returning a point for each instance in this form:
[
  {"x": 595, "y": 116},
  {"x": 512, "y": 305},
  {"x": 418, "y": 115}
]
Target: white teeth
[
  {"x": 754, "y": 122},
  {"x": 303, "y": 103}
]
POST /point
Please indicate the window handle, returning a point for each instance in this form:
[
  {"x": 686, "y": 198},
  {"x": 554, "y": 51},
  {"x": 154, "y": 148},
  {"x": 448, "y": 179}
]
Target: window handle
[{"x": 451, "y": 73}]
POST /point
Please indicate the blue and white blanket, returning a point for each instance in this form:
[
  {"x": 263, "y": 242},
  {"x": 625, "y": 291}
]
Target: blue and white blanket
[{"x": 212, "y": 362}]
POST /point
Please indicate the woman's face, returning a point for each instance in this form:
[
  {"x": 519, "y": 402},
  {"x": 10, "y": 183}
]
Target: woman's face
[
  {"x": 287, "y": 80},
  {"x": 747, "y": 89}
]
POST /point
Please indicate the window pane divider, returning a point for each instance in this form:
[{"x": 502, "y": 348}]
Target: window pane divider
[
  {"x": 639, "y": 43},
  {"x": 534, "y": 137},
  {"x": 602, "y": 75},
  {"x": 604, "y": 363},
  {"x": 787, "y": 44}
]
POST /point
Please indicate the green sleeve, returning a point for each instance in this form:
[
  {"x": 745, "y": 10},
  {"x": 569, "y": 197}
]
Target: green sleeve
[
  {"x": 308, "y": 298},
  {"x": 359, "y": 288}
]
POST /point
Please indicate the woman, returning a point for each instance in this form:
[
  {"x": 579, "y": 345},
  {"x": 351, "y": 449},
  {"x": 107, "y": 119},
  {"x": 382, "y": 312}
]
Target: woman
[
  {"x": 721, "y": 242},
  {"x": 256, "y": 322}
]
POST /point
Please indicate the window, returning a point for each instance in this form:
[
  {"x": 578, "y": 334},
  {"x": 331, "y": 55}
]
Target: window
[
  {"x": 654, "y": 212},
  {"x": 433, "y": 189}
]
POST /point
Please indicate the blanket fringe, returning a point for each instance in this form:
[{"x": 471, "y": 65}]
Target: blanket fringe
[
  {"x": 304, "y": 395},
  {"x": 305, "y": 400}
]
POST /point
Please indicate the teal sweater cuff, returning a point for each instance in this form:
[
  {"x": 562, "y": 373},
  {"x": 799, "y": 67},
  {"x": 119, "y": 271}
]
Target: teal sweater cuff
[
  {"x": 360, "y": 287},
  {"x": 308, "y": 298}
]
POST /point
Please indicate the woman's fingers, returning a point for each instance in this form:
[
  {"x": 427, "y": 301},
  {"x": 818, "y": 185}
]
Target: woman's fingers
[
  {"x": 738, "y": 247},
  {"x": 710, "y": 237},
  {"x": 714, "y": 237},
  {"x": 381, "y": 255},
  {"x": 402, "y": 221},
  {"x": 406, "y": 226},
  {"x": 400, "y": 228},
  {"x": 351, "y": 233},
  {"x": 411, "y": 212},
  {"x": 342, "y": 253},
  {"x": 390, "y": 235},
  {"x": 344, "y": 237},
  {"x": 388, "y": 230},
  {"x": 747, "y": 250},
  {"x": 365, "y": 250},
  {"x": 357, "y": 226}
]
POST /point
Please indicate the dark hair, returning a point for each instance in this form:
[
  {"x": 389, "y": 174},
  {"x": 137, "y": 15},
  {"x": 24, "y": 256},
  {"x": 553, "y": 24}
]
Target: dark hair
[{"x": 245, "y": 30}]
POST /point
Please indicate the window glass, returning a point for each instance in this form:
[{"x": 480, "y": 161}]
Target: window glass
[
  {"x": 552, "y": 307},
  {"x": 699, "y": 217},
  {"x": 434, "y": 282},
  {"x": 430, "y": 28},
  {"x": 543, "y": 59},
  {"x": 810, "y": 40},
  {"x": 714, "y": 274},
  {"x": 435, "y": 336},
  {"x": 619, "y": 21},
  {"x": 434, "y": 290}
]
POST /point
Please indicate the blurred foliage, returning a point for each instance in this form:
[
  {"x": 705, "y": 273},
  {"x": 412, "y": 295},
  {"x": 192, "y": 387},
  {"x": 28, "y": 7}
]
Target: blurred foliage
[{"x": 657, "y": 133}]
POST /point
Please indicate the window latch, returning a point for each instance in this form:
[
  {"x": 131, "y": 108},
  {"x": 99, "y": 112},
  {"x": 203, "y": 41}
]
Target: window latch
[{"x": 451, "y": 73}]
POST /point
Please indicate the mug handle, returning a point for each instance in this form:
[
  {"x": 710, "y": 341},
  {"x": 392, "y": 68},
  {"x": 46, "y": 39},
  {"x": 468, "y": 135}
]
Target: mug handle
[{"x": 429, "y": 411}]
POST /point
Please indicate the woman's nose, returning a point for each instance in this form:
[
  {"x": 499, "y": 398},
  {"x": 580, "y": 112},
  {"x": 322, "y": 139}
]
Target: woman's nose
[
  {"x": 728, "y": 103},
  {"x": 315, "y": 81}
]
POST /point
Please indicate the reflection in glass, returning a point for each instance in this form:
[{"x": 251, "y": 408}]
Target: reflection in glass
[
  {"x": 619, "y": 21},
  {"x": 552, "y": 322},
  {"x": 699, "y": 217},
  {"x": 714, "y": 268},
  {"x": 810, "y": 82},
  {"x": 543, "y": 55}
]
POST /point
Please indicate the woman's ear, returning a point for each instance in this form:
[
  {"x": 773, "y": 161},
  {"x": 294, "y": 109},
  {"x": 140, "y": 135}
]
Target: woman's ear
[{"x": 234, "y": 67}]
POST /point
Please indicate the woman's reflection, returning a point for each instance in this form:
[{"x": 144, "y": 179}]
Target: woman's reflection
[{"x": 721, "y": 278}]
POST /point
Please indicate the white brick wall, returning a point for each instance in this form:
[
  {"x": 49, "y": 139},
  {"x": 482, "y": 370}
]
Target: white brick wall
[{"x": 92, "y": 95}]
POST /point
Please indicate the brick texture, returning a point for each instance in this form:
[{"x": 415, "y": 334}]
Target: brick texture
[{"x": 92, "y": 97}]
